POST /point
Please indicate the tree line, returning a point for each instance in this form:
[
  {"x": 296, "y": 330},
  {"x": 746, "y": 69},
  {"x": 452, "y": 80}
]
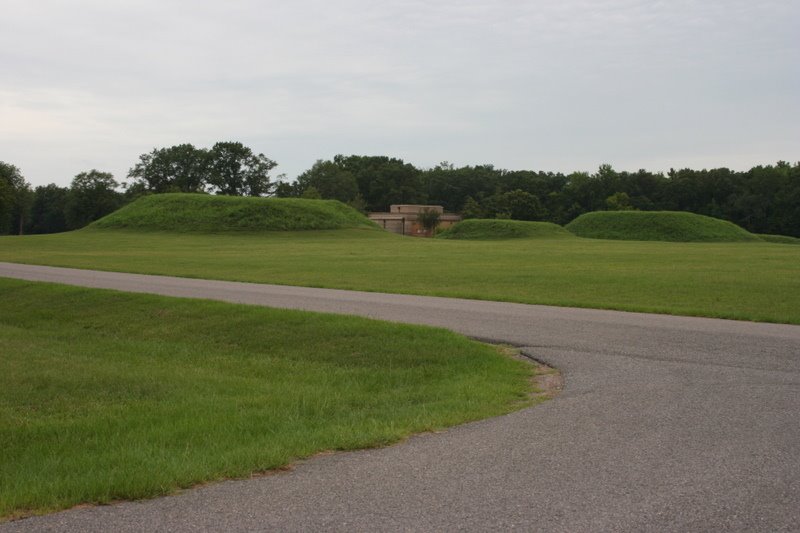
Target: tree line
[
  {"x": 764, "y": 199},
  {"x": 226, "y": 168}
]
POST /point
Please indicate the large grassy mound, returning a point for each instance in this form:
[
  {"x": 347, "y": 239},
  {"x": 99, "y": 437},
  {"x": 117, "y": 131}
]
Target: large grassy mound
[
  {"x": 485, "y": 230},
  {"x": 671, "y": 226},
  {"x": 204, "y": 213}
]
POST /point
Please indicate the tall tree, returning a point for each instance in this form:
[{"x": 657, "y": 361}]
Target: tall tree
[
  {"x": 331, "y": 181},
  {"x": 180, "y": 168},
  {"x": 383, "y": 181},
  {"x": 15, "y": 199},
  {"x": 619, "y": 201},
  {"x": 451, "y": 187},
  {"x": 48, "y": 212},
  {"x": 92, "y": 195},
  {"x": 6, "y": 203},
  {"x": 517, "y": 205},
  {"x": 235, "y": 170},
  {"x": 472, "y": 209}
]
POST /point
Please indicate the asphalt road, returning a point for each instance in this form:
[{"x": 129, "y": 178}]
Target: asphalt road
[{"x": 665, "y": 424}]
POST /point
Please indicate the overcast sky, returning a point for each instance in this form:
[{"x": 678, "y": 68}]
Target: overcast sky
[{"x": 556, "y": 85}]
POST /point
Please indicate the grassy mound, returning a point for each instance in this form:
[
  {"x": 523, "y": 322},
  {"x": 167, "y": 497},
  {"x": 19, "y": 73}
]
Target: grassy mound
[
  {"x": 204, "y": 213},
  {"x": 657, "y": 226},
  {"x": 779, "y": 239},
  {"x": 485, "y": 230}
]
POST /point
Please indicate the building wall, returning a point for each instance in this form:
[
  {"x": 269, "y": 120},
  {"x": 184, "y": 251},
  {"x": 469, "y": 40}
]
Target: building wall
[
  {"x": 402, "y": 219},
  {"x": 413, "y": 209}
]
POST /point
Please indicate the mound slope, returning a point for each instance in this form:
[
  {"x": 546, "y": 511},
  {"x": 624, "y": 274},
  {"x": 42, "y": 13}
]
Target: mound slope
[
  {"x": 675, "y": 226},
  {"x": 779, "y": 239},
  {"x": 212, "y": 214},
  {"x": 498, "y": 229}
]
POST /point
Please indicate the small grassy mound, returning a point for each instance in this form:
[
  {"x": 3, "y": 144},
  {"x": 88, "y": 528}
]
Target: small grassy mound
[
  {"x": 212, "y": 214},
  {"x": 671, "y": 226},
  {"x": 498, "y": 229},
  {"x": 779, "y": 239}
]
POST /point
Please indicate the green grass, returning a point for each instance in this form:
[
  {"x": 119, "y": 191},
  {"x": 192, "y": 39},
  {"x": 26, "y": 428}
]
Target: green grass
[
  {"x": 201, "y": 213},
  {"x": 778, "y": 239},
  {"x": 496, "y": 229},
  {"x": 672, "y": 226},
  {"x": 748, "y": 280},
  {"x": 108, "y": 395}
]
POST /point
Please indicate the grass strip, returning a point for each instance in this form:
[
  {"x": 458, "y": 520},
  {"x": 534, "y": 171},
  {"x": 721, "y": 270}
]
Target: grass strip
[
  {"x": 108, "y": 395},
  {"x": 745, "y": 281}
]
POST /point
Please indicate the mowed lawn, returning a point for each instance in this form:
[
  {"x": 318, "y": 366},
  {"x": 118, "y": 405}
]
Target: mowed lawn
[
  {"x": 749, "y": 281},
  {"x": 108, "y": 395}
]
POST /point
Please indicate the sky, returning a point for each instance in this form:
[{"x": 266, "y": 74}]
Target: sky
[{"x": 554, "y": 85}]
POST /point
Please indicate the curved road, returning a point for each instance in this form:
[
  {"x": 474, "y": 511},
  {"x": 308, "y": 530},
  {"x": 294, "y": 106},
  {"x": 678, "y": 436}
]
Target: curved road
[{"x": 665, "y": 424}]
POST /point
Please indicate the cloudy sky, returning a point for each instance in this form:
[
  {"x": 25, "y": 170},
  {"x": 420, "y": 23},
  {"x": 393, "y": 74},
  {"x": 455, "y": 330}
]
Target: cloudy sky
[{"x": 557, "y": 85}]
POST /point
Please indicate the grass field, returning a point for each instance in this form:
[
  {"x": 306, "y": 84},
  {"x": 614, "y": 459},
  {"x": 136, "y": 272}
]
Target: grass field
[
  {"x": 748, "y": 280},
  {"x": 107, "y": 395}
]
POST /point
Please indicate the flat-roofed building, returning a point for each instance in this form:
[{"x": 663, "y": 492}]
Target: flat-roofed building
[{"x": 403, "y": 219}]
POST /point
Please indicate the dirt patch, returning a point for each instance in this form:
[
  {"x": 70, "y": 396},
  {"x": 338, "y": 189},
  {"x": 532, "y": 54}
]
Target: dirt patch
[{"x": 548, "y": 382}]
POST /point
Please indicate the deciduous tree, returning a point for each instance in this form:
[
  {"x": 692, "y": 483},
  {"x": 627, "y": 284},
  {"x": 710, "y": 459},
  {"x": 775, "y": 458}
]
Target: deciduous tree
[
  {"x": 429, "y": 219},
  {"x": 331, "y": 181},
  {"x": 15, "y": 199},
  {"x": 181, "y": 168},
  {"x": 517, "y": 205},
  {"x": 48, "y": 212},
  {"x": 235, "y": 170},
  {"x": 92, "y": 195}
]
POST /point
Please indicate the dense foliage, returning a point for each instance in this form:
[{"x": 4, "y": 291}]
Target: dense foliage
[
  {"x": 52, "y": 209},
  {"x": 763, "y": 200},
  {"x": 228, "y": 168},
  {"x": 15, "y": 199}
]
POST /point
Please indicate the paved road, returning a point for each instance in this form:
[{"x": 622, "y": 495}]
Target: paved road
[{"x": 665, "y": 424}]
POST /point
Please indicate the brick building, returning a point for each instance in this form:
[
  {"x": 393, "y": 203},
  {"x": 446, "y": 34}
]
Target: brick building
[{"x": 403, "y": 219}]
